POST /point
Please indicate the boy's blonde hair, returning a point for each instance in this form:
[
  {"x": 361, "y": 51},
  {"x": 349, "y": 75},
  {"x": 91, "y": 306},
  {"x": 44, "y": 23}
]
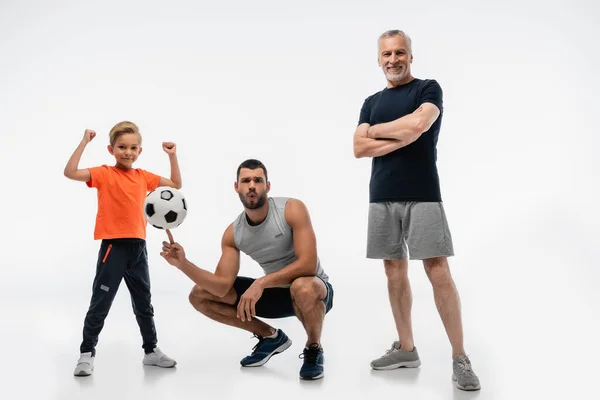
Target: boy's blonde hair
[{"x": 123, "y": 128}]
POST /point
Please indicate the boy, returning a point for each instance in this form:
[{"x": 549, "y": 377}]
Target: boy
[{"x": 121, "y": 226}]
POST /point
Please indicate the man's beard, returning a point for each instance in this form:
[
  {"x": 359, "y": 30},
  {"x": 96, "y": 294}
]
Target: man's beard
[
  {"x": 256, "y": 203},
  {"x": 396, "y": 76}
]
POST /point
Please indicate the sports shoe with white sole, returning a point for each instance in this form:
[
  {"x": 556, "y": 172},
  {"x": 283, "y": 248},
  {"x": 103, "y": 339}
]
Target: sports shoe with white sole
[
  {"x": 85, "y": 365},
  {"x": 265, "y": 349},
  {"x": 463, "y": 375},
  {"x": 396, "y": 357},
  {"x": 158, "y": 359}
]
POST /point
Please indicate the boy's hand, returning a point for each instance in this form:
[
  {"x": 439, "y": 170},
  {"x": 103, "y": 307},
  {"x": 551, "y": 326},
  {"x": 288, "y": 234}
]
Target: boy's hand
[
  {"x": 88, "y": 135},
  {"x": 169, "y": 148}
]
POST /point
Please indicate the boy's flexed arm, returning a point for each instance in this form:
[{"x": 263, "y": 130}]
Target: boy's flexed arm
[
  {"x": 72, "y": 170},
  {"x": 175, "y": 180}
]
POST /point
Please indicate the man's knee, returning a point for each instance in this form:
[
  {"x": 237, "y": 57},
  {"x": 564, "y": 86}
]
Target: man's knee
[
  {"x": 199, "y": 298},
  {"x": 202, "y": 299},
  {"x": 307, "y": 291},
  {"x": 437, "y": 270},
  {"x": 396, "y": 270},
  {"x": 195, "y": 296}
]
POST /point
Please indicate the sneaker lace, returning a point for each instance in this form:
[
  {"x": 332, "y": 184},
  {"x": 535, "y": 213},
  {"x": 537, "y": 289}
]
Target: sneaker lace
[
  {"x": 310, "y": 355},
  {"x": 465, "y": 366},
  {"x": 257, "y": 345},
  {"x": 390, "y": 350}
]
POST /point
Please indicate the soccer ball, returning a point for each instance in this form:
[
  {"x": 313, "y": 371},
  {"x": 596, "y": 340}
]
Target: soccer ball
[{"x": 165, "y": 208}]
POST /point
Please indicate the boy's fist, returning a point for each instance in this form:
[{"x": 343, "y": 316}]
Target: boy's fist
[
  {"x": 169, "y": 147},
  {"x": 89, "y": 135}
]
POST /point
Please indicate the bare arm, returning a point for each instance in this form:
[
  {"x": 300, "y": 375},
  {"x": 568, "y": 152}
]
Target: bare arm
[
  {"x": 408, "y": 128},
  {"x": 218, "y": 283},
  {"x": 72, "y": 170},
  {"x": 368, "y": 147},
  {"x": 175, "y": 180},
  {"x": 305, "y": 247}
]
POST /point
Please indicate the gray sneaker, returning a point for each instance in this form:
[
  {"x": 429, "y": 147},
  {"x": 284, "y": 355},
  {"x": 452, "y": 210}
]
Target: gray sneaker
[
  {"x": 463, "y": 375},
  {"x": 159, "y": 359},
  {"x": 395, "y": 357},
  {"x": 85, "y": 365}
]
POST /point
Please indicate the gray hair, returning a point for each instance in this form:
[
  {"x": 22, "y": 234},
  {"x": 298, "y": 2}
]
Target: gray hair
[{"x": 396, "y": 32}]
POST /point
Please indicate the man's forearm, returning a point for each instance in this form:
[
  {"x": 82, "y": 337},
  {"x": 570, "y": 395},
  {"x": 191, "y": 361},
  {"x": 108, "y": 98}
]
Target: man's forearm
[
  {"x": 400, "y": 129},
  {"x": 208, "y": 281},
  {"x": 388, "y": 146},
  {"x": 377, "y": 148}
]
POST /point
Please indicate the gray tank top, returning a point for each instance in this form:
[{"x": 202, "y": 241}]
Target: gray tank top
[{"x": 271, "y": 243}]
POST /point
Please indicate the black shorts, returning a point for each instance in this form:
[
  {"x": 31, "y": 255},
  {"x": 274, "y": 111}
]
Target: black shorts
[{"x": 276, "y": 302}]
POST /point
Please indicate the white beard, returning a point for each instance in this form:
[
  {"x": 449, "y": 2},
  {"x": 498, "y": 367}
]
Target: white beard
[{"x": 395, "y": 77}]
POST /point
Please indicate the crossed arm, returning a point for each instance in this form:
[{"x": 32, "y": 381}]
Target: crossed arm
[{"x": 381, "y": 139}]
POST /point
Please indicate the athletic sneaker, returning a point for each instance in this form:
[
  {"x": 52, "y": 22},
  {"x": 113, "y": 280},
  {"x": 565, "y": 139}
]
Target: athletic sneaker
[
  {"x": 396, "y": 357},
  {"x": 266, "y": 348},
  {"x": 312, "y": 368},
  {"x": 85, "y": 364},
  {"x": 463, "y": 375},
  {"x": 158, "y": 359}
]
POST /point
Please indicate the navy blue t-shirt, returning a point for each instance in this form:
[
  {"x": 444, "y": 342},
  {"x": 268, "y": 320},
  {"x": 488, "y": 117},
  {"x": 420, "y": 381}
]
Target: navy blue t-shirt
[{"x": 409, "y": 173}]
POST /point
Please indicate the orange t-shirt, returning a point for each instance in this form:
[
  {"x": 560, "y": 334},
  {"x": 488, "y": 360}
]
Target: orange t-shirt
[{"x": 121, "y": 195}]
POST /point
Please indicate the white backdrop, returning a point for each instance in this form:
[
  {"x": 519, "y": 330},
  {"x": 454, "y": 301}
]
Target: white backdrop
[{"x": 284, "y": 82}]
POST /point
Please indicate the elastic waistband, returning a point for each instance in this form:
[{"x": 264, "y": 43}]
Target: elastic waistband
[{"x": 124, "y": 241}]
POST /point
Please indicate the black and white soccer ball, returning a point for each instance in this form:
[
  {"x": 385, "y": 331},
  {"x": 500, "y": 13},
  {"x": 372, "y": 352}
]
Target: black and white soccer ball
[{"x": 165, "y": 208}]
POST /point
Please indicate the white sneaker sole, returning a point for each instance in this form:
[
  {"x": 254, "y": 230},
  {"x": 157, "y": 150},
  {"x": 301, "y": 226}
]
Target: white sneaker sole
[
  {"x": 404, "y": 364},
  {"x": 158, "y": 364},
  {"x": 312, "y": 378},
  {"x": 83, "y": 372},
  {"x": 467, "y": 387},
  {"x": 278, "y": 350}
]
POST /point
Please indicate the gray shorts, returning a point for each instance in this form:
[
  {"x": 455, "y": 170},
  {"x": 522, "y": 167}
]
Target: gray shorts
[{"x": 420, "y": 226}]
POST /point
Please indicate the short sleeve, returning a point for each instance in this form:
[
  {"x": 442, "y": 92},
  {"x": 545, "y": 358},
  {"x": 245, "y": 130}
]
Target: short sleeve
[
  {"x": 365, "y": 113},
  {"x": 432, "y": 93},
  {"x": 152, "y": 180},
  {"x": 97, "y": 175}
]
